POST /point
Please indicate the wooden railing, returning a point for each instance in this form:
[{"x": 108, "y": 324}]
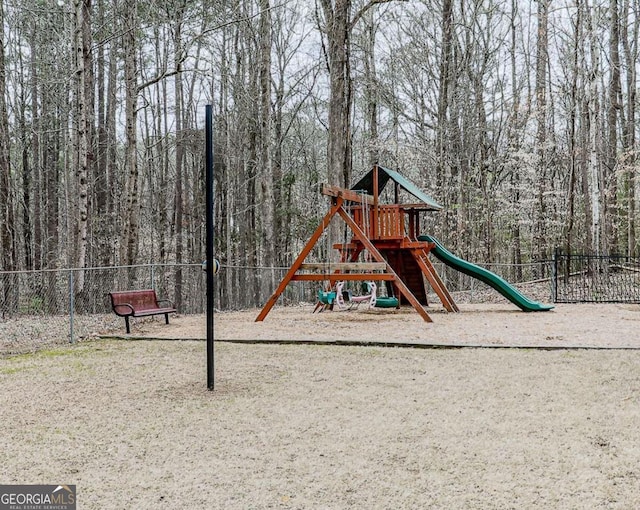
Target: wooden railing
[{"x": 389, "y": 223}]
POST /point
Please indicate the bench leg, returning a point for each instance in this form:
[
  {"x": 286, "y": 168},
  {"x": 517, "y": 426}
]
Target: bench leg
[
  {"x": 126, "y": 321},
  {"x": 166, "y": 318}
]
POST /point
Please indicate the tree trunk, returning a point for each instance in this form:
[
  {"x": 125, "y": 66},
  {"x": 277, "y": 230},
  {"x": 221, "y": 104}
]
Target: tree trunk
[
  {"x": 269, "y": 207},
  {"x": 339, "y": 135},
  {"x": 371, "y": 92},
  {"x": 179, "y": 198},
  {"x": 593, "y": 181},
  {"x": 113, "y": 178},
  {"x": 36, "y": 151},
  {"x": 611, "y": 180},
  {"x": 338, "y": 146},
  {"x": 129, "y": 240},
  {"x": 446, "y": 171},
  {"x": 84, "y": 116},
  {"x": 7, "y": 219},
  {"x": 539, "y": 241},
  {"x": 101, "y": 178},
  {"x": 514, "y": 142},
  {"x": 573, "y": 142},
  {"x": 51, "y": 170},
  {"x": 25, "y": 202},
  {"x": 630, "y": 46}
]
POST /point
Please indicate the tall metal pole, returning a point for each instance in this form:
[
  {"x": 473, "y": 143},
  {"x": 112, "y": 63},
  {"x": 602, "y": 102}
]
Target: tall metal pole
[{"x": 210, "y": 245}]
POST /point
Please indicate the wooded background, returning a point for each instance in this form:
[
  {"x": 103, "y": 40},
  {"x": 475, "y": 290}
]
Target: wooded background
[{"x": 519, "y": 117}]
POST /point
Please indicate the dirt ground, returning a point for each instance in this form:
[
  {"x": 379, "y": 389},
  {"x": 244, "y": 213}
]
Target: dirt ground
[
  {"x": 332, "y": 426},
  {"x": 597, "y": 325}
]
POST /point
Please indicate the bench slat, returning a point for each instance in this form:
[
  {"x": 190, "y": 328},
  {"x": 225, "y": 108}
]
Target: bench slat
[{"x": 156, "y": 311}]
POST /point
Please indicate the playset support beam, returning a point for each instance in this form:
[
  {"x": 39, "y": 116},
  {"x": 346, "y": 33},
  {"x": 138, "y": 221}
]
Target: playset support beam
[
  {"x": 300, "y": 259},
  {"x": 438, "y": 286},
  {"x": 346, "y": 194}
]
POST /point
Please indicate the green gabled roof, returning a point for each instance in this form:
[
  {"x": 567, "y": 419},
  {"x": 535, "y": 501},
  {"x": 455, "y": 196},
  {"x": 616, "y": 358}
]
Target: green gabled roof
[{"x": 384, "y": 175}]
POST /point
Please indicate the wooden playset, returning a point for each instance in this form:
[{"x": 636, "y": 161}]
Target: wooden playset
[{"x": 384, "y": 244}]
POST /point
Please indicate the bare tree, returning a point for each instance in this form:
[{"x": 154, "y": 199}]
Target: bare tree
[
  {"x": 178, "y": 14},
  {"x": 447, "y": 170},
  {"x": 540, "y": 241},
  {"x": 7, "y": 219},
  {"x": 102, "y": 224},
  {"x": 265, "y": 115},
  {"x": 573, "y": 142},
  {"x": 129, "y": 239},
  {"x": 613, "y": 106},
  {"x": 339, "y": 23},
  {"x": 630, "y": 28},
  {"x": 520, "y": 117},
  {"x": 338, "y": 29},
  {"x": 514, "y": 136},
  {"x": 592, "y": 175},
  {"x": 83, "y": 154}
]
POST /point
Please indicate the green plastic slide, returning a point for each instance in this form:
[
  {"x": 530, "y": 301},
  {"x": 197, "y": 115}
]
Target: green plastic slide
[{"x": 482, "y": 274}]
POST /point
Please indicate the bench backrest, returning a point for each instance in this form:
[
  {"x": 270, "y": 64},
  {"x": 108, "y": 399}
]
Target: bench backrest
[{"x": 138, "y": 299}]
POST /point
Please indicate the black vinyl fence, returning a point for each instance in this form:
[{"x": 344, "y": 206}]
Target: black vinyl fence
[{"x": 595, "y": 278}]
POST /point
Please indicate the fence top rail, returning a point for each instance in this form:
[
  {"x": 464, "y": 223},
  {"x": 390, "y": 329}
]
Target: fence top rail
[
  {"x": 594, "y": 256},
  {"x": 99, "y": 268}
]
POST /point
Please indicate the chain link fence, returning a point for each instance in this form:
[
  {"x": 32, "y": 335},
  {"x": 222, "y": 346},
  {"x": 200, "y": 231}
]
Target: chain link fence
[
  {"x": 78, "y": 296},
  {"x": 72, "y": 300},
  {"x": 85, "y": 291}
]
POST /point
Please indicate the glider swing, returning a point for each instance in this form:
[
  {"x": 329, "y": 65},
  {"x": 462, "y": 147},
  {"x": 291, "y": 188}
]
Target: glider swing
[{"x": 352, "y": 301}]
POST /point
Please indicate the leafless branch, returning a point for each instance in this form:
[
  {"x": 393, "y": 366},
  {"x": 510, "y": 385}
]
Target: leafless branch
[{"x": 366, "y": 7}]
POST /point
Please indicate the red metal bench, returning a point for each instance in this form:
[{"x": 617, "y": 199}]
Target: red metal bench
[{"x": 139, "y": 303}]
